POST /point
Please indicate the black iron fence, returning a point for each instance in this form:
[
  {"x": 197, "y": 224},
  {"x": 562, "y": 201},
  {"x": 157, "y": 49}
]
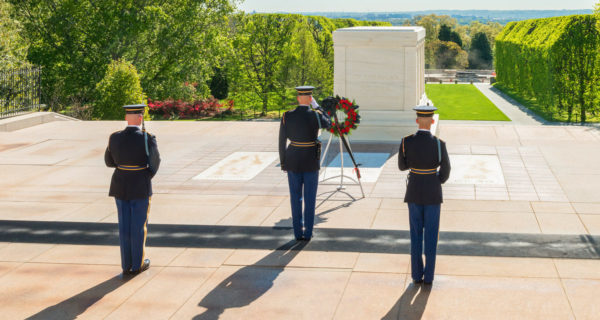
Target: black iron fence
[{"x": 20, "y": 91}]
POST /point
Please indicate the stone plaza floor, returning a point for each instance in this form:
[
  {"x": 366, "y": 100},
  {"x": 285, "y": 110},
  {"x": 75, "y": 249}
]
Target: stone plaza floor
[{"x": 519, "y": 233}]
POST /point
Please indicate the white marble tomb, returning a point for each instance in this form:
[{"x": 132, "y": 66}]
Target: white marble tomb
[{"x": 383, "y": 70}]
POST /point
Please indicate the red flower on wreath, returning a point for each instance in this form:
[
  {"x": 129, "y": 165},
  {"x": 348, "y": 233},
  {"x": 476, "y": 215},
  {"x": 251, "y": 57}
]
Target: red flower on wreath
[{"x": 333, "y": 105}]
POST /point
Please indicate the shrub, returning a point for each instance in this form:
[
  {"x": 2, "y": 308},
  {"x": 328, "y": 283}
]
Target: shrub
[
  {"x": 178, "y": 109},
  {"x": 120, "y": 86},
  {"x": 219, "y": 84},
  {"x": 553, "y": 61}
]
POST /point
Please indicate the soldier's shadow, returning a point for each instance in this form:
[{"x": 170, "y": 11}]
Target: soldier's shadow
[
  {"x": 411, "y": 304},
  {"x": 73, "y": 307},
  {"x": 249, "y": 283}
]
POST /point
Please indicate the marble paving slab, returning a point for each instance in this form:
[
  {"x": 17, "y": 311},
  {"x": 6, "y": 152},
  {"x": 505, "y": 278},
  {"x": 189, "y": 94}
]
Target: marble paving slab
[
  {"x": 476, "y": 170},
  {"x": 239, "y": 166},
  {"x": 371, "y": 165}
]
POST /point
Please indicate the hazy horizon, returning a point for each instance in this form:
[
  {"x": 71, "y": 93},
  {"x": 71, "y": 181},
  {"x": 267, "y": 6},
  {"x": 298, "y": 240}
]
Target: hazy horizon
[{"x": 399, "y": 6}]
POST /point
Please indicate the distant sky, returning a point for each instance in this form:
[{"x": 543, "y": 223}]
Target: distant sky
[{"x": 403, "y": 5}]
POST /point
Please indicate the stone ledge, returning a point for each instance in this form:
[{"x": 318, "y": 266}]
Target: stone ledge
[
  {"x": 30, "y": 120},
  {"x": 385, "y": 126}
]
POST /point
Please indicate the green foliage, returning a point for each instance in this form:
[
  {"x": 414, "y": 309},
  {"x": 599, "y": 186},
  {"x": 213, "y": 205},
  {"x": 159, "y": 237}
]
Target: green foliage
[
  {"x": 169, "y": 42},
  {"x": 554, "y": 62},
  {"x": 120, "y": 86},
  {"x": 13, "y": 50},
  {"x": 490, "y": 29},
  {"x": 463, "y": 102},
  {"x": 480, "y": 55},
  {"x": 261, "y": 41},
  {"x": 219, "y": 85},
  {"x": 432, "y": 24},
  {"x": 446, "y": 34},
  {"x": 452, "y": 31},
  {"x": 273, "y": 53},
  {"x": 447, "y": 54}
]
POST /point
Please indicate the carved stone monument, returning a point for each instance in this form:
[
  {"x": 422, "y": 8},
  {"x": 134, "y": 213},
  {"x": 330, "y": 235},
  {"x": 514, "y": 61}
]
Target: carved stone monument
[{"x": 383, "y": 70}]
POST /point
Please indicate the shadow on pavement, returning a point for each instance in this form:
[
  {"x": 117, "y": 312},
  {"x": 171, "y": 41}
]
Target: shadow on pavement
[
  {"x": 411, "y": 304},
  {"x": 249, "y": 283},
  {"x": 488, "y": 244},
  {"x": 73, "y": 307},
  {"x": 319, "y": 217}
]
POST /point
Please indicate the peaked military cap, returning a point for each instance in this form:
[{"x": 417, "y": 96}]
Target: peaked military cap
[
  {"x": 305, "y": 90},
  {"x": 425, "y": 111},
  {"x": 135, "y": 108}
]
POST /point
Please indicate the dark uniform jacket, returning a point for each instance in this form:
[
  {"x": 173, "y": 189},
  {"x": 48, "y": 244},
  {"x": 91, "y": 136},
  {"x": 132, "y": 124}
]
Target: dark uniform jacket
[
  {"x": 420, "y": 151},
  {"x": 127, "y": 148},
  {"x": 300, "y": 125}
]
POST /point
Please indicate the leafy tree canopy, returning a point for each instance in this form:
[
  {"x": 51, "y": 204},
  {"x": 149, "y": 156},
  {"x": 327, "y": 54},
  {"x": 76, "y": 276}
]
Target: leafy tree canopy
[
  {"x": 480, "y": 54},
  {"x": 169, "y": 42},
  {"x": 13, "y": 50}
]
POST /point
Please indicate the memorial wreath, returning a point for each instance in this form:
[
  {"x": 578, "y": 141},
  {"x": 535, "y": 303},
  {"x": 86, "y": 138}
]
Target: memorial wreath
[{"x": 333, "y": 104}]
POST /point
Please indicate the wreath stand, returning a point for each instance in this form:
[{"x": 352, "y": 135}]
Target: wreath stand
[{"x": 341, "y": 176}]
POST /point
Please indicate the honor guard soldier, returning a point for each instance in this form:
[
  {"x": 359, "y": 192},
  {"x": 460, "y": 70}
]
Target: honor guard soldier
[
  {"x": 134, "y": 155},
  {"x": 301, "y": 158},
  {"x": 422, "y": 153}
]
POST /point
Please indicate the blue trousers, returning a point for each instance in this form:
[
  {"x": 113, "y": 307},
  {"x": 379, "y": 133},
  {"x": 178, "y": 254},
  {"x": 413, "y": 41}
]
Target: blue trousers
[
  {"x": 133, "y": 222},
  {"x": 423, "y": 219},
  {"x": 303, "y": 186}
]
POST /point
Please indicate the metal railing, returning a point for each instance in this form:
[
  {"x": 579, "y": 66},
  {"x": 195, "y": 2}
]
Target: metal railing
[
  {"x": 459, "y": 76},
  {"x": 20, "y": 91}
]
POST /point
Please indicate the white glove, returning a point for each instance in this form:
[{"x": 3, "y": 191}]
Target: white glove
[{"x": 313, "y": 103}]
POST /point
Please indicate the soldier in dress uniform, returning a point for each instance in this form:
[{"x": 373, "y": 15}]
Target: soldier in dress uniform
[
  {"x": 422, "y": 153},
  {"x": 134, "y": 155},
  {"x": 301, "y": 158}
]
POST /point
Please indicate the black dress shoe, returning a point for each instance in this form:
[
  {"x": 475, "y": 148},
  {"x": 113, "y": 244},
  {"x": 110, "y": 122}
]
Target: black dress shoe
[
  {"x": 428, "y": 283},
  {"x": 417, "y": 281},
  {"x": 145, "y": 266}
]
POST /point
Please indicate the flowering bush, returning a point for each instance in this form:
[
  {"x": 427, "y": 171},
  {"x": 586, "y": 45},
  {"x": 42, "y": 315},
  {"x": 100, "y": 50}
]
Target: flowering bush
[{"x": 177, "y": 109}]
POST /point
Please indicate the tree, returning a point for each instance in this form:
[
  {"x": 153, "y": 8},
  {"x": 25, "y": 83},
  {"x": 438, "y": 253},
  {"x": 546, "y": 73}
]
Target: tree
[
  {"x": 447, "y": 34},
  {"x": 260, "y": 42},
  {"x": 432, "y": 24},
  {"x": 120, "y": 86},
  {"x": 13, "y": 49},
  {"x": 480, "y": 54},
  {"x": 169, "y": 42},
  {"x": 304, "y": 64},
  {"x": 491, "y": 30},
  {"x": 448, "y": 55}
]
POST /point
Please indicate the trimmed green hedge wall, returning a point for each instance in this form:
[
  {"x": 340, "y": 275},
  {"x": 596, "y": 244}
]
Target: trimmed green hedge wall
[{"x": 553, "y": 61}]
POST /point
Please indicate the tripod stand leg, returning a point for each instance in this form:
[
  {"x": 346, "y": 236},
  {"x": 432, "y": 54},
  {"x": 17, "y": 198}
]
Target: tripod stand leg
[
  {"x": 357, "y": 178},
  {"x": 342, "y": 166},
  {"x": 324, "y": 156}
]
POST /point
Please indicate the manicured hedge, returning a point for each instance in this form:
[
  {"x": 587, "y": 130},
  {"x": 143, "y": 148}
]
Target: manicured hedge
[{"x": 553, "y": 61}]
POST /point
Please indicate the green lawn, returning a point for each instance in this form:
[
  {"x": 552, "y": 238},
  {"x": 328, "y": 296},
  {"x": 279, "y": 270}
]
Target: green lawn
[{"x": 463, "y": 102}]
